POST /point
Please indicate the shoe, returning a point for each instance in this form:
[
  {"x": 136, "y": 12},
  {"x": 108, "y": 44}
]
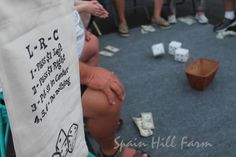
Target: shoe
[
  {"x": 202, "y": 19},
  {"x": 161, "y": 22},
  {"x": 172, "y": 19},
  {"x": 123, "y": 30},
  {"x": 231, "y": 28},
  {"x": 225, "y": 24}
]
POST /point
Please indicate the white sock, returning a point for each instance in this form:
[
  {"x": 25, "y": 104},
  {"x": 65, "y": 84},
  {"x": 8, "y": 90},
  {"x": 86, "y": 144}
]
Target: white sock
[{"x": 229, "y": 15}]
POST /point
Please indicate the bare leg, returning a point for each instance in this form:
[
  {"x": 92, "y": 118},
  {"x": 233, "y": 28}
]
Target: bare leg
[
  {"x": 157, "y": 8},
  {"x": 229, "y": 5},
  {"x": 102, "y": 119},
  {"x": 172, "y": 7},
  {"x": 157, "y": 19},
  {"x": 200, "y": 7},
  {"x": 120, "y": 8},
  {"x": 90, "y": 54}
]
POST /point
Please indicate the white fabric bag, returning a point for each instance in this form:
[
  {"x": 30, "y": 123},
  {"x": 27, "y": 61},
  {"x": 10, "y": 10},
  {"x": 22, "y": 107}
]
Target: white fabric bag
[{"x": 40, "y": 78}]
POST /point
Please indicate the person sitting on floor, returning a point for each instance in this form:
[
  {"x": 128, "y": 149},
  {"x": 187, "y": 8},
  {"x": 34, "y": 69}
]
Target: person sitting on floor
[
  {"x": 229, "y": 17},
  {"x": 157, "y": 19},
  {"x": 200, "y": 15},
  {"x": 102, "y": 98}
]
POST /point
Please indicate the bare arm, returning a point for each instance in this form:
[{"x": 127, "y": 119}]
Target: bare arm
[{"x": 92, "y": 7}]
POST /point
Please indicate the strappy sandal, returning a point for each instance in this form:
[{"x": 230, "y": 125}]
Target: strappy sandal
[{"x": 119, "y": 153}]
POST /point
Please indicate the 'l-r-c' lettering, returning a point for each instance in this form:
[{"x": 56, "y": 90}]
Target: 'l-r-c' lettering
[
  {"x": 55, "y": 34},
  {"x": 42, "y": 43}
]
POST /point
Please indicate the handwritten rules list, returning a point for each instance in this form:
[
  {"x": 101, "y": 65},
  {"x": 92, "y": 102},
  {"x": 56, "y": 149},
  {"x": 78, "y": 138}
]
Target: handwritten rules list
[{"x": 49, "y": 74}]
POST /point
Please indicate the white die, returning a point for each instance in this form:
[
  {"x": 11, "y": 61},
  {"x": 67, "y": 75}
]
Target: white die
[
  {"x": 173, "y": 46},
  {"x": 182, "y": 55},
  {"x": 158, "y": 49},
  {"x": 62, "y": 144}
]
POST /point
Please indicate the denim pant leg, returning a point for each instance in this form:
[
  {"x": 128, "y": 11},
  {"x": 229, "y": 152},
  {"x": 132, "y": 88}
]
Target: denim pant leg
[
  {"x": 172, "y": 6},
  {"x": 200, "y": 5}
]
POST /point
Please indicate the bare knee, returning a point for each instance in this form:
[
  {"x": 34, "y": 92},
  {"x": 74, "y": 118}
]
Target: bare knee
[
  {"x": 95, "y": 104},
  {"x": 90, "y": 54},
  {"x": 95, "y": 42}
]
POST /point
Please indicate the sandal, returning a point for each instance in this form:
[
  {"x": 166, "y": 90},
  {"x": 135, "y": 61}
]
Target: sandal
[
  {"x": 123, "y": 30},
  {"x": 119, "y": 153}
]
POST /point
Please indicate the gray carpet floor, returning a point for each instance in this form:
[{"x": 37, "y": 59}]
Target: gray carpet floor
[{"x": 159, "y": 85}]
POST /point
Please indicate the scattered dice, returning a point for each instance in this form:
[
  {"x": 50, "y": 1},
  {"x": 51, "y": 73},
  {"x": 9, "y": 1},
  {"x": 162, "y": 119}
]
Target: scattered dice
[
  {"x": 158, "y": 49},
  {"x": 182, "y": 55},
  {"x": 173, "y": 46}
]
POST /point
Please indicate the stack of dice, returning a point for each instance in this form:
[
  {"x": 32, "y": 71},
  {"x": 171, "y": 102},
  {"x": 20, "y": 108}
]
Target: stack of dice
[{"x": 180, "y": 54}]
